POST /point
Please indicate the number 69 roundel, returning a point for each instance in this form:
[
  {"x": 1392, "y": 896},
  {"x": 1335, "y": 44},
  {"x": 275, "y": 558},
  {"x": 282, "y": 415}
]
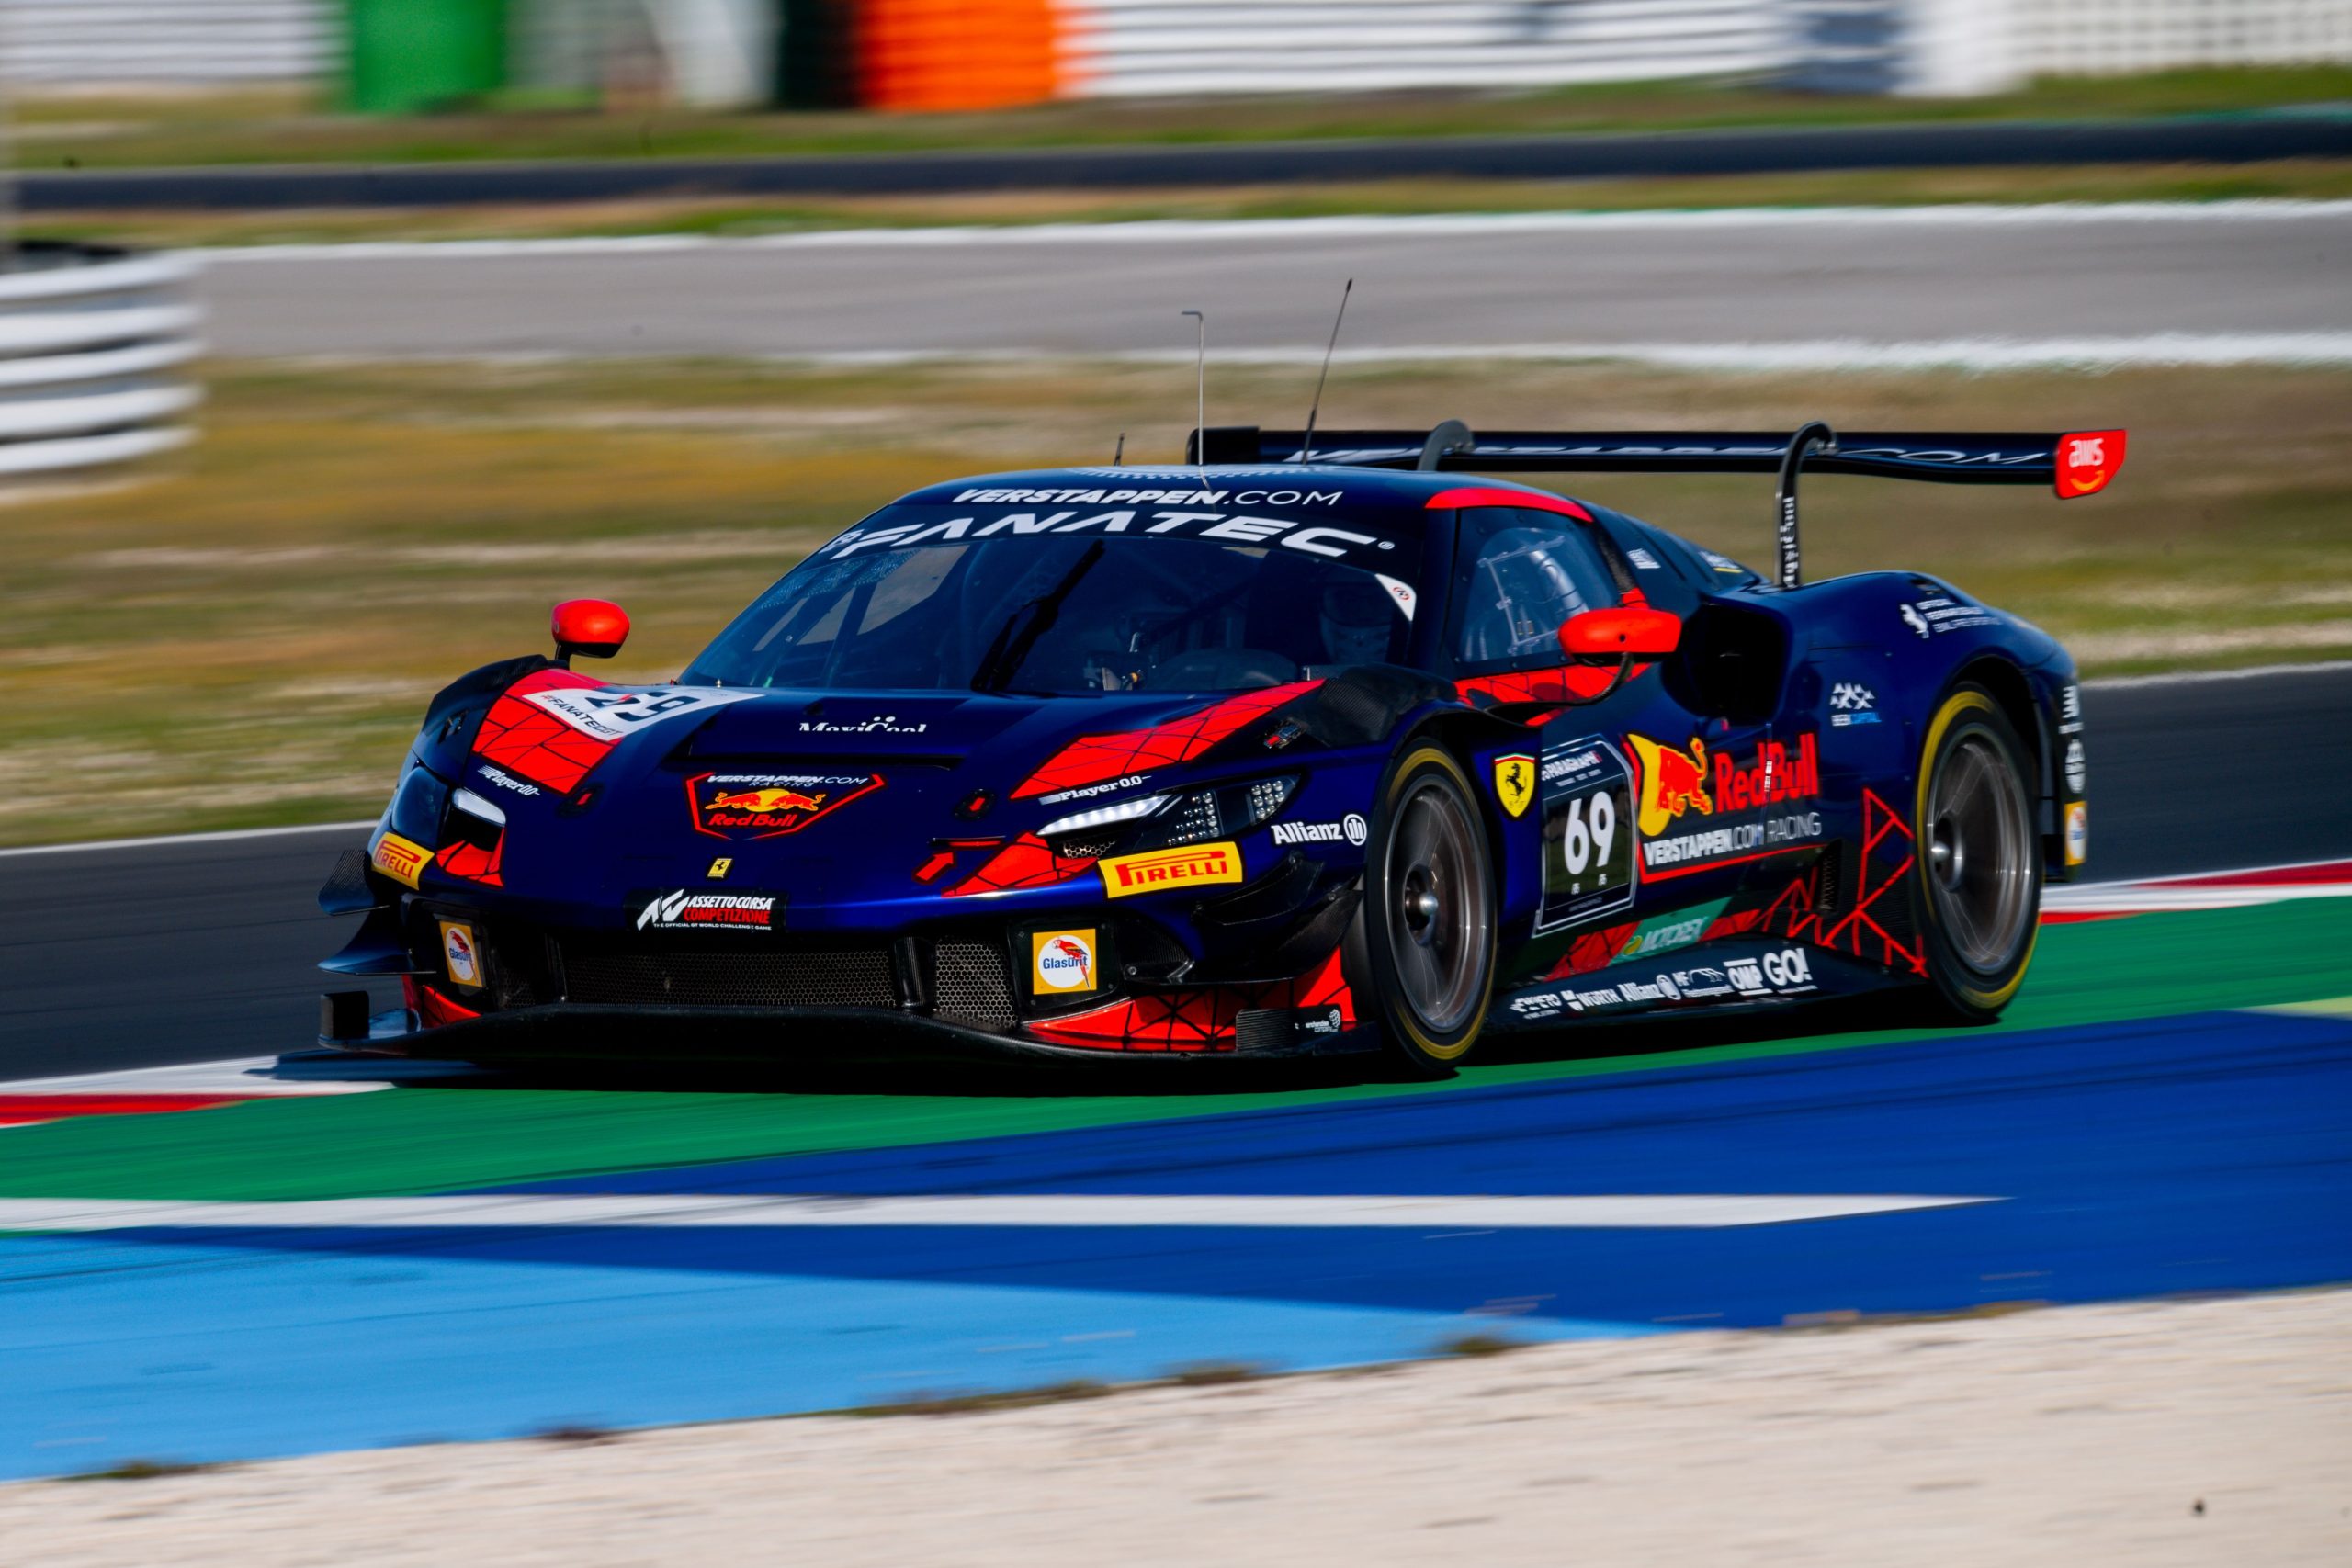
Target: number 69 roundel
[{"x": 1586, "y": 796}]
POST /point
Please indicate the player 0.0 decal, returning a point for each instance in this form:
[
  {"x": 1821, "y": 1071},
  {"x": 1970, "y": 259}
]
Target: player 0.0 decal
[{"x": 1587, "y": 793}]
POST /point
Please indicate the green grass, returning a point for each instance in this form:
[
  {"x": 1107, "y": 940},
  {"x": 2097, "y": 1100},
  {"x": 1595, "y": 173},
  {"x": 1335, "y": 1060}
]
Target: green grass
[
  {"x": 82, "y": 131},
  {"x": 2307, "y": 178},
  {"x": 246, "y": 637}
]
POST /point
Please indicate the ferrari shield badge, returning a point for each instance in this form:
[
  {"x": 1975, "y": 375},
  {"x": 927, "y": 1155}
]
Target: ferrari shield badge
[{"x": 1515, "y": 783}]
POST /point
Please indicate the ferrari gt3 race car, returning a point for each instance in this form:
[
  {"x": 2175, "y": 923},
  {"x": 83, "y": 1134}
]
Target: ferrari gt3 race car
[{"x": 1279, "y": 753}]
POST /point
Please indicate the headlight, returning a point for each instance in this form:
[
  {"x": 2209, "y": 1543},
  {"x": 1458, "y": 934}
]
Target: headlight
[
  {"x": 1103, "y": 816},
  {"x": 1166, "y": 821},
  {"x": 418, "y": 804}
]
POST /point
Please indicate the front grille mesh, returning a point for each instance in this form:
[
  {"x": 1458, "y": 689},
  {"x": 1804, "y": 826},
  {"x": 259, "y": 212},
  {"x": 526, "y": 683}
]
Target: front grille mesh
[
  {"x": 969, "y": 982},
  {"x": 833, "y": 977}
]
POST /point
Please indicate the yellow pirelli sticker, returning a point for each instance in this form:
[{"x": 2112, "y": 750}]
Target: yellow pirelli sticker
[
  {"x": 1157, "y": 871},
  {"x": 400, "y": 859}
]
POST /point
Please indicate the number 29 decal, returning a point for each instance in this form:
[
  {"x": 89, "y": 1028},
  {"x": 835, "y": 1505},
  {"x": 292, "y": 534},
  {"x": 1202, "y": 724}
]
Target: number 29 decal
[
  {"x": 610, "y": 715},
  {"x": 1587, "y": 791}
]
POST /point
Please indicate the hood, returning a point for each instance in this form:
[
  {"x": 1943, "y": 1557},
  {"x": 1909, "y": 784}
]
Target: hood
[{"x": 836, "y": 796}]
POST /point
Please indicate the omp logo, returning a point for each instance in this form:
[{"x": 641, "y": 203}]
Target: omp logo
[
  {"x": 1193, "y": 865},
  {"x": 1673, "y": 782},
  {"x": 1062, "y": 961},
  {"x": 400, "y": 859}
]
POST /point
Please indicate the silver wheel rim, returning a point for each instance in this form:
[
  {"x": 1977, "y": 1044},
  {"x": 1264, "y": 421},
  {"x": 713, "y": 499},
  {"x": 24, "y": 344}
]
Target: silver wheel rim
[
  {"x": 1436, "y": 912},
  {"x": 1980, "y": 865}
]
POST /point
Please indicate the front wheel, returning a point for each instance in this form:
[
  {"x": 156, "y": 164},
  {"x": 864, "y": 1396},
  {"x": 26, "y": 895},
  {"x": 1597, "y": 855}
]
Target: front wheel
[
  {"x": 1979, "y": 858},
  {"x": 1425, "y": 936}
]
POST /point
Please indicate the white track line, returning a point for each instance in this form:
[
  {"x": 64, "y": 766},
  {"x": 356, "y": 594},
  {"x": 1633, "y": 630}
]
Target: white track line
[
  {"x": 1369, "y": 226},
  {"x": 230, "y": 836},
  {"x": 2189, "y": 677},
  {"x": 2308, "y": 349},
  {"x": 1695, "y": 1211},
  {"x": 260, "y": 1077}
]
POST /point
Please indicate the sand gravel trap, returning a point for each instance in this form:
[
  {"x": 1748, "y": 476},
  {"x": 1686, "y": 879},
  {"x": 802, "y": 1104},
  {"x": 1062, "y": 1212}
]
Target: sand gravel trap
[{"x": 2089, "y": 1435}]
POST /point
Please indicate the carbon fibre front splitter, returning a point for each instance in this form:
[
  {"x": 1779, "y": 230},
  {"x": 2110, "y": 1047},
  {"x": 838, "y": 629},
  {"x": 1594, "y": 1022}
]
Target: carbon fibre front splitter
[{"x": 578, "y": 1031}]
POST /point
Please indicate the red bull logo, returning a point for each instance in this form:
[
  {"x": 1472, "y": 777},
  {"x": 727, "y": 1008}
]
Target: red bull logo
[
  {"x": 765, "y": 806},
  {"x": 1673, "y": 782}
]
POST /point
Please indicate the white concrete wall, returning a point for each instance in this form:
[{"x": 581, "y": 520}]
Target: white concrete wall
[
  {"x": 2104, "y": 38},
  {"x": 179, "y": 43}
]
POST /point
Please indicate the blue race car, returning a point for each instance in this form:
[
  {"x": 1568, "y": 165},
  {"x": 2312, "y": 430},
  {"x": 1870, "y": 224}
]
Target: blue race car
[{"x": 1280, "y": 752}]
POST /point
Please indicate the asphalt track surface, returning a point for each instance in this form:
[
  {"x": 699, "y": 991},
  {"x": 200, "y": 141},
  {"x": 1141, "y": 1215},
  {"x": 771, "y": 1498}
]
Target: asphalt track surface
[
  {"x": 1700, "y": 283},
  {"x": 2206, "y": 139},
  {"x": 196, "y": 951},
  {"x": 2164, "y": 1111}
]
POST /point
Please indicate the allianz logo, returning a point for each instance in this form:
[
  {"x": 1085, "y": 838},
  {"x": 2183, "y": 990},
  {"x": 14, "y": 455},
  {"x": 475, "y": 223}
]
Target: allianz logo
[{"x": 1352, "y": 829}]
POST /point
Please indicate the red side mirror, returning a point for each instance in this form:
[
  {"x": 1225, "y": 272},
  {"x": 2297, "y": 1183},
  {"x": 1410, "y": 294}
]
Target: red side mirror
[
  {"x": 1627, "y": 629},
  {"x": 593, "y": 627}
]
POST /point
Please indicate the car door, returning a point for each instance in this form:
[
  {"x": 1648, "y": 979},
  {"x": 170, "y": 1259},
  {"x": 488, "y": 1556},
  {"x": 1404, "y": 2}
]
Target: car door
[{"x": 1632, "y": 849}]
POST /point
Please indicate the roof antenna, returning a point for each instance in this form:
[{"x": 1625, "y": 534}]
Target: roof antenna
[
  {"x": 1201, "y": 395},
  {"x": 1306, "y": 448},
  {"x": 1119, "y": 453}
]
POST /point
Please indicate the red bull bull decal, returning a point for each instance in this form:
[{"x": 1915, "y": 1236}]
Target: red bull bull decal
[
  {"x": 766, "y": 806},
  {"x": 1766, "y": 795}
]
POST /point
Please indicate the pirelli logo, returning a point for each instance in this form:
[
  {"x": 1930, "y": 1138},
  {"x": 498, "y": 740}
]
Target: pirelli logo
[
  {"x": 400, "y": 859},
  {"x": 1193, "y": 865}
]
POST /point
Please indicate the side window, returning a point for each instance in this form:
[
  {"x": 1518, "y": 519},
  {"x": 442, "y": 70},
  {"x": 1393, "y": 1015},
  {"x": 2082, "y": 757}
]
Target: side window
[{"x": 1518, "y": 575}]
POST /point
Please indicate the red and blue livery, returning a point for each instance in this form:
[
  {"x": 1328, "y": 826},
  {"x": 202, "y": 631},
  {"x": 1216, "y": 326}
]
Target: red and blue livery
[{"x": 1282, "y": 751}]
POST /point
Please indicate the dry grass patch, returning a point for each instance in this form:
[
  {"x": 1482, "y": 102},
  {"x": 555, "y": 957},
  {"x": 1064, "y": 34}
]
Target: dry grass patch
[{"x": 246, "y": 638}]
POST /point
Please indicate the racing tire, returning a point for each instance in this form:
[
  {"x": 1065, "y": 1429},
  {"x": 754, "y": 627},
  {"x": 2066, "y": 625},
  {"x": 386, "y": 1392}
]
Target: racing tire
[
  {"x": 1421, "y": 950},
  {"x": 1979, "y": 861}
]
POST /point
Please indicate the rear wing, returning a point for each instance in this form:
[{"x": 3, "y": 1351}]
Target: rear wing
[{"x": 2075, "y": 463}]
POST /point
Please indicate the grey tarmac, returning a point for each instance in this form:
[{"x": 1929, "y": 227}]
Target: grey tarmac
[{"x": 1452, "y": 286}]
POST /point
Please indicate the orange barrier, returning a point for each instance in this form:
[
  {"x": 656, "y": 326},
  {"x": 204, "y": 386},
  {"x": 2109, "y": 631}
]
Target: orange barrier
[{"x": 956, "y": 54}]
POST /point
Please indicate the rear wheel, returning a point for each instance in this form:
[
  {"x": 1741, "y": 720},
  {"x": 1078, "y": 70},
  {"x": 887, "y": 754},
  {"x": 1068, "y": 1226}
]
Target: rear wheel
[
  {"x": 1979, "y": 859},
  {"x": 1424, "y": 941}
]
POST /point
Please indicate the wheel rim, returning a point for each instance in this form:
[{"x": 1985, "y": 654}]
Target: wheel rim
[
  {"x": 1436, "y": 913},
  {"x": 1980, "y": 864}
]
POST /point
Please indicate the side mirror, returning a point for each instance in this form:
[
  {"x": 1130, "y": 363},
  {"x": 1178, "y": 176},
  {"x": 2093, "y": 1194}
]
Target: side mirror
[
  {"x": 594, "y": 629},
  {"x": 1627, "y": 630}
]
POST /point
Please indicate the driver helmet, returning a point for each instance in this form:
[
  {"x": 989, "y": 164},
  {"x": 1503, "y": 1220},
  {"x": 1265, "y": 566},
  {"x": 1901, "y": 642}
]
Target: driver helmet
[{"x": 1356, "y": 619}]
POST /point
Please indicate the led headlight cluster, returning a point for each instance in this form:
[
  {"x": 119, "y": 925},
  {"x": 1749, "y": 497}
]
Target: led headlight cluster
[
  {"x": 1167, "y": 822},
  {"x": 1103, "y": 816}
]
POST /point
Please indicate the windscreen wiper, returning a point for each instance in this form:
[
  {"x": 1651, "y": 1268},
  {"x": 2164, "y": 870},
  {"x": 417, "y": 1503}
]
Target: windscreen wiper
[{"x": 1026, "y": 625}]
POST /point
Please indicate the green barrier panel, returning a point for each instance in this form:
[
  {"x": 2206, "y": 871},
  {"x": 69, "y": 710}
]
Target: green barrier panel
[{"x": 413, "y": 55}]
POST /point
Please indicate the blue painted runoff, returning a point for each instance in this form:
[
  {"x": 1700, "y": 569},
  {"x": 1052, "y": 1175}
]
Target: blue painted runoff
[{"x": 113, "y": 1351}]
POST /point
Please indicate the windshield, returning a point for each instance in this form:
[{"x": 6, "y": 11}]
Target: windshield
[{"x": 990, "y": 599}]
